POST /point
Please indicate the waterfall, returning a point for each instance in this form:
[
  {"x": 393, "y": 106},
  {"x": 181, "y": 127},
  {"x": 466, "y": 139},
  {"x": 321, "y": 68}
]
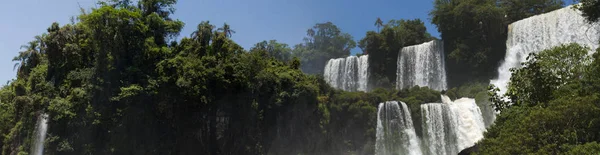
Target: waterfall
[
  {"x": 543, "y": 32},
  {"x": 422, "y": 65},
  {"x": 395, "y": 130},
  {"x": 439, "y": 129},
  {"x": 363, "y": 73},
  {"x": 349, "y": 74},
  {"x": 40, "y": 135},
  {"x": 451, "y": 126}
]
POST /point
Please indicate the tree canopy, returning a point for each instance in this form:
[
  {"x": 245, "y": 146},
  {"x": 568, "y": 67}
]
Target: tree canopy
[
  {"x": 383, "y": 47},
  {"x": 552, "y": 109},
  {"x": 323, "y": 41}
]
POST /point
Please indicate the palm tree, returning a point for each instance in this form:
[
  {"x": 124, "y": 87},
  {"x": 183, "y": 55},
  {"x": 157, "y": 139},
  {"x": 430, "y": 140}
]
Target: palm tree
[
  {"x": 310, "y": 33},
  {"x": 378, "y": 24},
  {"x": 226, "y": 30},
  {"x": 30, "y": 57},
  {"x": 203, "y": 33}
]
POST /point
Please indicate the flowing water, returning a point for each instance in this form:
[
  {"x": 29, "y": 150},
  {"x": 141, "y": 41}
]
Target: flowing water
[
  {"x": 451, "y": 126},
  {"x": 541, "y": 32},
  {"x": 40, "y": 135},
  {"x": 422, "y": 65},
  {"x": 395, "y": 130},
  {"x": 349, "y": 74}
]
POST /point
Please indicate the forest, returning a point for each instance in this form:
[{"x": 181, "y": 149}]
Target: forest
[{"x": 117, "y": 80}]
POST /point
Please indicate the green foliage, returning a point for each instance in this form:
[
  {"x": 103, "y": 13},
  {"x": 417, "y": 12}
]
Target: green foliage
[
  {"x": 383, "y": 48},
  {"x": 550, "y": 110},
  {"x": 470, "y": 90},
  {"x": 324, "y": 41},
  {"x": 517, "y": 9},
  {"x": 587, "y": 148},
  {"x": 589, "y": 8},
  {"x": 544, "y": 73},
  {"x": 524, "y": 130},
  {"x": 475, "y": 31},
  {"x": 474, "y": 37},
  {"x": 117, "y": 82},
  {"x": 279, "y": 51}
]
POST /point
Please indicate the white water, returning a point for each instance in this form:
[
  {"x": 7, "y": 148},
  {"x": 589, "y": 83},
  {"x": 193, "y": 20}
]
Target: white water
[
  {"x": 451, "y": 126},
  {"x": 439, "y": 129},
  {"x": 40, "y": 135},
  {"x": 470, "y": 121},
  {"x": 395, "y": 130},
  {"x": 422, "y": 65},
  {"x": 543, "y": 32},
  {"x": 349, "y": 74}
]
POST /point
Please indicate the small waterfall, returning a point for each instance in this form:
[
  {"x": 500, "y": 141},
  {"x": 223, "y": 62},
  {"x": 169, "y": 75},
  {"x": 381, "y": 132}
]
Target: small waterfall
[
  {"x": 40, "y": 135},
  {"x": 439, "y": 129},
  {"x": 422, "y": 65},
  {"x": 349, "y": 74},
  {"x": 541, "y": 32},
  {"x": 451, "y": 126},
  {"x": 363, "y": 73},
  {"x": 470, "y": 122},
  {"x": 395, "y": 130}
]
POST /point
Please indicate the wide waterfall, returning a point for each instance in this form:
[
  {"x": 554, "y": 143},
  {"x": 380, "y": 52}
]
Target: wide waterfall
[
  {"x": 40, "y": 135},
  {"x": 395, "y": 130},
  {"x": 451, "y": 126},
  {"x": 542, "y": 32},
  {"x": 422, "y": 65},
  {"x": 349, "y": 74}
]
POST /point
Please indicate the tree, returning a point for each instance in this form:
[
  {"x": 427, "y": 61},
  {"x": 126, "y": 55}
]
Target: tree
[
  {"x": 516, "y": 9},
  {"x": 203, "y": 33},
  {"x": 383, "y": 47},
  {"x": 30, "y": 57},
  {"x": 590, "y": 9},
  {"x": 226, "y": 30},
  {"x": 544, "y": 73},
  {"x": 279, "y": 51},
  {"x": 550, "y": 111},
  {"x": 324, "y": 41},
  {"x": 164, "y": 8},
  {"x": 474, "y": 33},
  {"x": 378, "y": 23}
]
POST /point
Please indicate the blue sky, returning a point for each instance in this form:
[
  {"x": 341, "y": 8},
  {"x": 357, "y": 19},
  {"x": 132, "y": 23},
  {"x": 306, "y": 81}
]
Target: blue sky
[{"x": 253, "y": 20}]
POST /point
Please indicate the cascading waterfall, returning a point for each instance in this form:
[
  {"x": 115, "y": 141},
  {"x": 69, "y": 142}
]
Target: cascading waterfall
[
  {"x": 543, "y": 32},
  {"x": 470, "y": 121},
  {"x": 40, "y": 135},
  {"x": 422, "y": 65},
  {"x": 395, "y": 130},
  {"x": 439, "y": 129},
  {"x": 451, "y": 126},
  {"x": 349, "y": 74},
  {"x": 363, "y": 73}
]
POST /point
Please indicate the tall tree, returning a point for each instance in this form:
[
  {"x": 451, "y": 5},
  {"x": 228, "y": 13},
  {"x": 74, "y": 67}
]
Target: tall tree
[
  {"x": 226, "y": 29},
  {"x": 378, "y": 23},
  {"x": 324, "y": 41},
  {"x": 30, "y": 57},
  {"x": 474, "y": 33}
]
